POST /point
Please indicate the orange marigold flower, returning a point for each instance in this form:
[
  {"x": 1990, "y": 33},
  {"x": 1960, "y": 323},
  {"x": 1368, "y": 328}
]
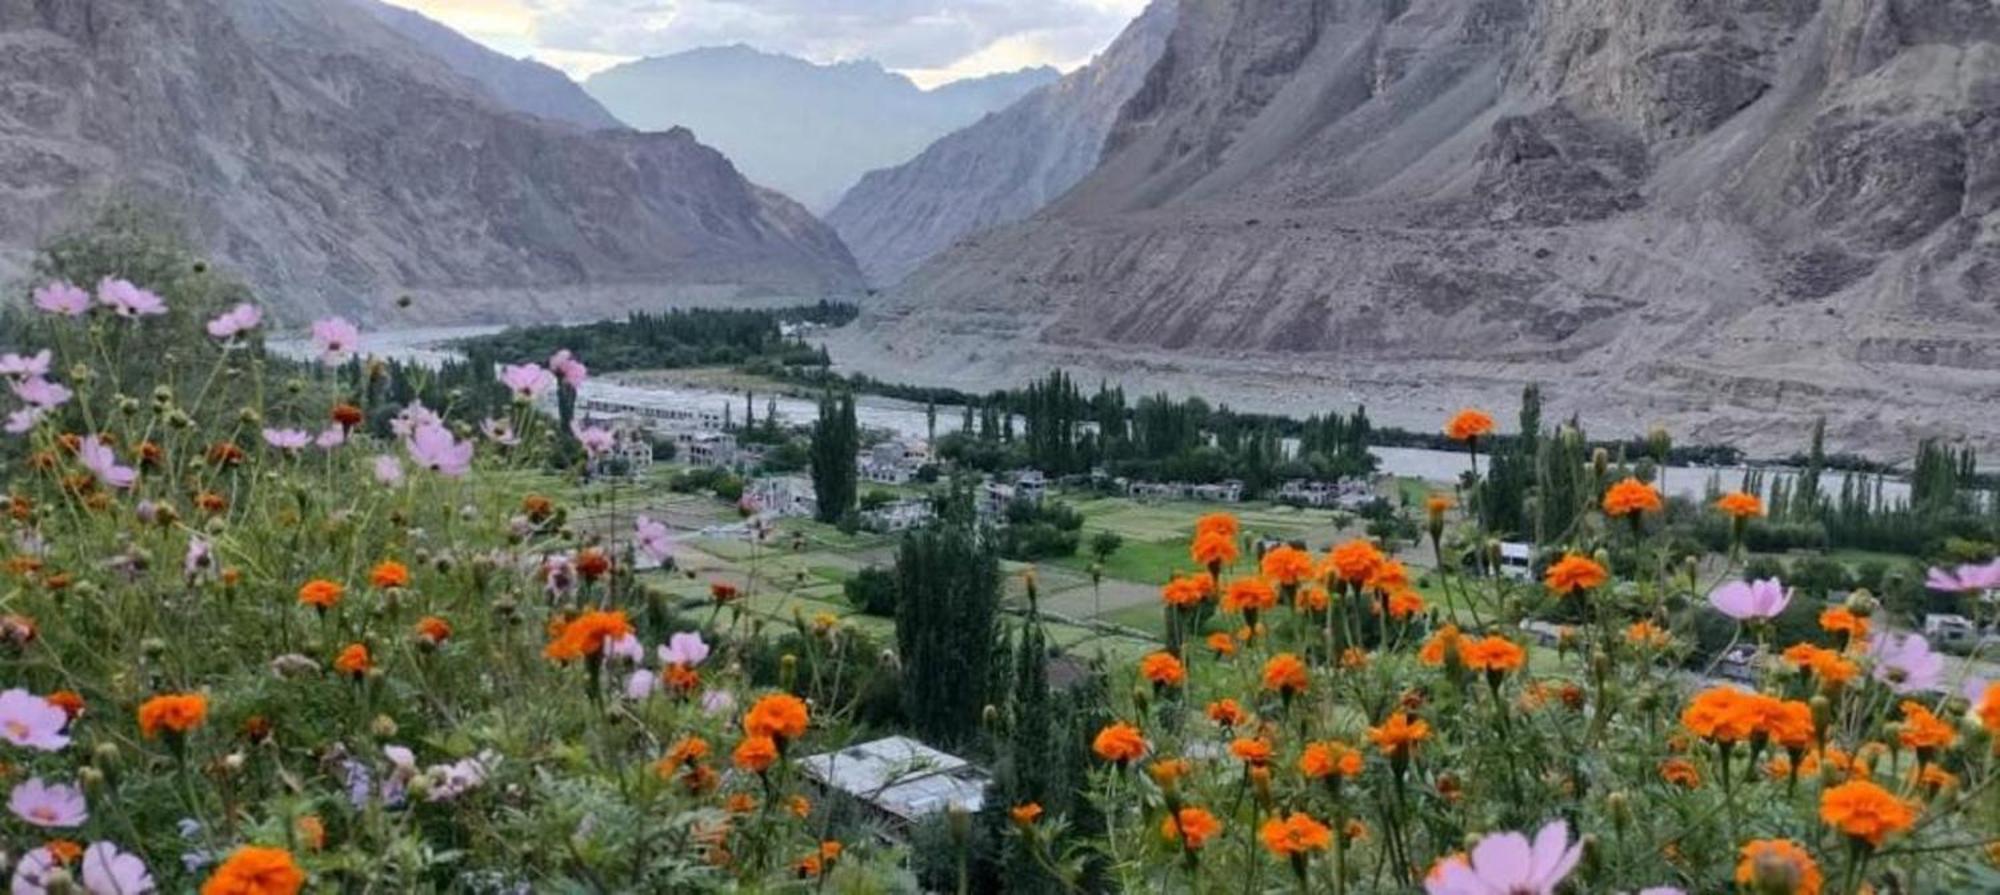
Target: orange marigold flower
[
  {"x": 1295, "y": 834},
  {"x": 1405, "y": 603},
  {"x": 1025, "y": 815},
  {"x": 1226, "y": 712},
  {"x": 1936, "y": 779},
  {"x": 1493, "y": 654},
  {"x": 587, "y": 634},
  {"x": 1214, "y": 549},
  {"x": 70, "y": 701},
  {"x": 1249, "y": 595},
  {"x": 1311, "y": 598},
  {"x": 1841, "y": 620},
  {"x": 1722, "y": 714},
  {"x": 389, "y": 573},
  {"x": 1354, "y": 657},
  {"x": 1286, "y": 673},
  {"x": 1865, "y": 812},
  {"x": 1922, "y": 730},
  {"x": 1251, "y": 750},
  {"x": 1222, "y": 643},
  {"x": 1389, "y": 575},
  {"x": 1631, "y": 496},
  {"x": 1167, "y": 771},
  {"x": 1740, "y": 505},
  {"x": 1680, "y": 772},
  {"x": 739, "y": 803},
  {"x": 1321, "y": 760},
  {"x": 225, "y": 453},
  {"x": 1183, "y": 591},
  {"x": 1574, "y": 574},
  {"x": 1446, "y": 642},
  {"x": 1119, "y": 742},
  {"x": 1646, "y": 635},
  {"x": 1829, "y": 666},
  {"x": 755, "y": 754},
  {"x": 1354, "y": 561},
  {"x": 592, "y": 563},
  {"x": 1218, "y": 523},
  {"x": 537, "y": 507},
  {"x": 211, "y": 502},
  {"x": 779, "y": 715},
  {"x": 1162, "y": 669},
  {"x": 320, "y": 593},
  {"x": 1191, "y": 827},
  {"x": 256, "y": 870},
  {"x": 312, "y": 831},
  {"x": 1778, "y": 865},
  {"x": 434, "y": 629},
  {"x": 1437, "y": 504},
  {"x": 353, "y": 660},
  {"x": 800, "y": 807},
  {"x": 345, "y": 414},
  {"x": 1988, "y": 709},
  {"x": 64, "y": 851},
  {"x": 1469, "y": 424},
  {"x": 172, "y": 712},
  {"x": 1398, "y": 734},
  {"x": 1287, "y": 564},
  {"x": 688, "y": 750}
]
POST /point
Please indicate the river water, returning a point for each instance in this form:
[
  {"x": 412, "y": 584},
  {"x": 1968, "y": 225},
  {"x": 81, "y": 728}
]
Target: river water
[{"x": 908, "y": 419}]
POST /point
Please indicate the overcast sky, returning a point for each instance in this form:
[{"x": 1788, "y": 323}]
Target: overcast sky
[{"x": 932, "y": 41}]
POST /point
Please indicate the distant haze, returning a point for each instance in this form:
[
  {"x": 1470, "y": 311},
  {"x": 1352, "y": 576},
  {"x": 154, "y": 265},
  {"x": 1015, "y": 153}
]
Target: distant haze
[{"x": 809, "y": 131}]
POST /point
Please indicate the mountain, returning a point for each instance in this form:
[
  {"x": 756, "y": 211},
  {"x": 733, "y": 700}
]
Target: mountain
[
  {"x": 807, "y": 130},
  {"x": 336, "y": 164},
  {"x": 1726, "y": 216},
  {"x": 523, "y": 85},
  {"x": 1001, "y": 169}
]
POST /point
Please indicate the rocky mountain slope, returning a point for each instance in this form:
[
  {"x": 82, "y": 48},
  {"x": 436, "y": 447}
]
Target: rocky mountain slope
[
  {"x": 809, "y": 131},
  {"x": 523, "y": 85},
  {"x": 1001, "y": 169},
  {"x": 1725, "y": 215},
  {"x": 336, "y": 164}
]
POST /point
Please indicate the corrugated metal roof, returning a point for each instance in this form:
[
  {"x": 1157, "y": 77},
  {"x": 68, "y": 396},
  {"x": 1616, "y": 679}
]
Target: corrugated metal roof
[{"x": 901, "y": 776}]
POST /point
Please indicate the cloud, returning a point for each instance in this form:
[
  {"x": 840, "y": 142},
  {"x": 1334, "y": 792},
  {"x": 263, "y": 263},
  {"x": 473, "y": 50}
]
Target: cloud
[{"x": 933, "y": 40}]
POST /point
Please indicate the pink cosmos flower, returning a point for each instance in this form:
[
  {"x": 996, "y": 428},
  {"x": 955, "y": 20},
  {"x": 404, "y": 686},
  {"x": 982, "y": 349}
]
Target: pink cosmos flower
[
  {"x": 48, "y": 804},
  {"x": 199, "y": 560},
  {"x": 1508, "y": 864},
  {"x": 685, "y": 648},
  {"x": 499, "y": 432},
  {"x": 1906, "y": 662},
  {"x": 434, "y": 448},
  {"x": 1744, "y": 601},
  {"x": 653, "y": 539},
  {"x": 286, "y": 439},
  {"x": 412, "y": 417},
  {"x": 97, "y": 457},
  {"x": 331, "y": 437},
  {"x": 572, "y": 371},
  {"x": 108, "y": 871},
  {"x": 40, "y": 393},
  {"x": 1965, "y": 579},
  {"x": 388, "y": 470},
  {"x": 62, "y": 298},
  {"x": 31, "y": 875},
  {"x": 31, "y": 722},
  {"x": 718, "y": 702},
  {"x": 595, "y": 440},
  {"x": 627, "y": 647},
  {"x": 25, "y": 366},
  {"x": 20, "y": 421},
  {"x": 640, "y": 684},
  {"x": 127, "y": 300},
  {"x": 236, "y": 321},
  {"x": 526, "y": 381},
  {"x": 336, "y": 339}
]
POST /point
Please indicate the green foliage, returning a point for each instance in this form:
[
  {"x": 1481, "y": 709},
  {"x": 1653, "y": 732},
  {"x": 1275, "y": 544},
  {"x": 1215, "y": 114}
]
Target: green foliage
[
  {"x": 836, "y": 438},
  {"x": 873, "y": 591},
  {"x": 948, "y": 586},
  {"x": 1040, "y": 530},
  {"x": 672, "y": 339}
]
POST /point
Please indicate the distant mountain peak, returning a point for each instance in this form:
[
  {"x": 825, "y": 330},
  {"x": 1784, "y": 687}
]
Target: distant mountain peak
[{"x": 804, "y": 128}]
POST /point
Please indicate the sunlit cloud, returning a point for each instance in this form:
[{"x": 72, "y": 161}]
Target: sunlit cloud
[{"x": 932, "y": 41}]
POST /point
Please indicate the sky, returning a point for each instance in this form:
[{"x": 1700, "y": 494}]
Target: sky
[{"x": 931, "y": 41}]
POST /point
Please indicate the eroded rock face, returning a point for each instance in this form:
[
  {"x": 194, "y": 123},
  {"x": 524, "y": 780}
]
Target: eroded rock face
[
  {"x": 336, "y": 165},
  {"x": 1724, "y": 215},
  {"x": 1002, "y": 169}
]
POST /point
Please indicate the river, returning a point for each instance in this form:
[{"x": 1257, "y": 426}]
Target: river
[{"x": 426, "y": 346}]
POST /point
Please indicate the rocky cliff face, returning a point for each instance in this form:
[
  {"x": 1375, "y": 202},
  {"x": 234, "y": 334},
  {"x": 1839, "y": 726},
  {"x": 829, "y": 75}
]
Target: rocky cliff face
[
  {"x": 336, "y": 164},
  {"x": 1001, "y": 169},
  {"x": 523, "y": 85},
  {"x": 807, "y": 130},
  {"x": 1723, "y": 215}
]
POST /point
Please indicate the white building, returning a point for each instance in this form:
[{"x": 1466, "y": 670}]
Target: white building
[
  {"x": 783, "y": 495},
  {"x": 707, "y": 448},
  {"x": 901, "y": 778},
  {"x": 901, "y": 515}
]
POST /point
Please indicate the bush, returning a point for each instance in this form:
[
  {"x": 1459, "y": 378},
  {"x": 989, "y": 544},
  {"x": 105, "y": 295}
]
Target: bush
[{"x": 873, "y": 591}]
